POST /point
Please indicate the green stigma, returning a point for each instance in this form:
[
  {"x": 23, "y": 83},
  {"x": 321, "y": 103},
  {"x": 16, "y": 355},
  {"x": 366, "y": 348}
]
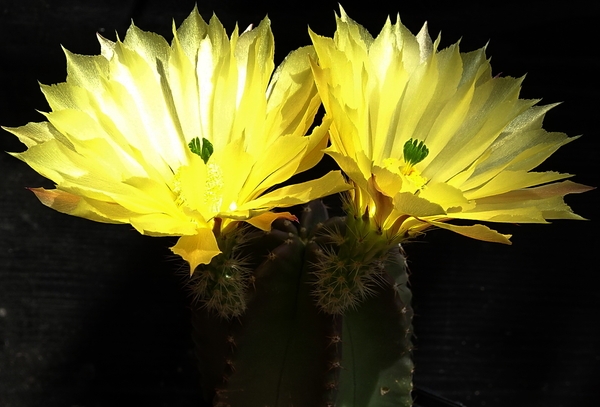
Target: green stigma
[
  {"x": 204, "y": 149},
  {"x": 415, "y": 151}
]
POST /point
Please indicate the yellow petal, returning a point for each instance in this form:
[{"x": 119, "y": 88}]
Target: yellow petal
[
  {"x": 150, "y": 46},
  {"x": 388, "y": 182},
  {"x": 317, "y": 143},
  {"x": 292, "y": 97},
  {"x": 197, "y": 249},
  {"x": 527, "y": 205},
  {"x": 33, "y": 133},
  {"x": 479, "y": 232},
  {"x": 278, "y": 162},
  {"x": 448, "y": 197},
  {"x": 331, "y": 183},
  {"x": 58, "y": 200},
  {"x": 410, "y": 204},
  {"x": 264, "y": 220},
  {"x": 75, "y": 205},
  {"x": 191, "y": 33},
  {"x": 161, "y": 224},
  {"x": 86, "y": 71},
  {"x": 382, "y": 201},
  {"x": 358, "y": 168},
  {"x": 511, "y": 180}
]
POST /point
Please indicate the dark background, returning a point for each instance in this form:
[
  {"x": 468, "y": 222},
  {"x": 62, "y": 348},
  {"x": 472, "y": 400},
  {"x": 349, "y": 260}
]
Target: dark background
[{"x": 94, "y": 314}]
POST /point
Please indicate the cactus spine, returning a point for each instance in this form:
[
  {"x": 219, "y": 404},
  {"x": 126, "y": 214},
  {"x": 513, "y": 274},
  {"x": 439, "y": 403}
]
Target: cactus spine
[
  {"x": 221, "y": 286},
  {"x": 326, "y": 318}
]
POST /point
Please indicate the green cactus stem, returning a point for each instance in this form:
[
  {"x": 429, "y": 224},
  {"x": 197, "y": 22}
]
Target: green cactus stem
[
  {"x": 377, "y": 366},
  {"x": 374, "y": 304},
  {"x": 285, "y": 349}
]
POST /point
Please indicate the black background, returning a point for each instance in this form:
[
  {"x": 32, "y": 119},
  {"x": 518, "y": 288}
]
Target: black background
[{"x": 94, "y": 314}]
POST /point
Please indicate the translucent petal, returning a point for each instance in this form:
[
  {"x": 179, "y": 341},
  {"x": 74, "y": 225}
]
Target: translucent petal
[
  {"x": 448, "y": 197},
  {"x": 264, "y": 220},
  {"x": 331, "y": 183},
  {"x": 511, "y": 180},
  {"x": 479, "y": 232},
  {"x": 410, "y": 204}
]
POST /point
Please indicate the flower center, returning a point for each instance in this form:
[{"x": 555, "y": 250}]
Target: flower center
[
  {"x": 186, "y": 177},
  {"x": 415, "y": 151},
  {"x": 414, "y": 179},
  {"x": 213, "y": 193}
]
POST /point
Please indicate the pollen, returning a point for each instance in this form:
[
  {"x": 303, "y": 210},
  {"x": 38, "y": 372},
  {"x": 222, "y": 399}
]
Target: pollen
[
  {"x": 413, "y": 180},
  {"x": 213, "y": 197}
]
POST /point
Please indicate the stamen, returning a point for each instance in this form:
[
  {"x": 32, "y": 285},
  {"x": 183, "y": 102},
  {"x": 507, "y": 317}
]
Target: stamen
[{"x": 213, "y": 197}]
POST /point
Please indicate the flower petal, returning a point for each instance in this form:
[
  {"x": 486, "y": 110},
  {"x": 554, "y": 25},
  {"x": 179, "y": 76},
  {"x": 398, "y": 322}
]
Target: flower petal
[
  {"x": 527, "y": 205},
  {"x": 479, "y": 232},
  {"x": 507, "y": 181},
  {"x": 448, "y": 197},
  {"x": 331, "y": 183},
  {"x": 75, "y": 205},
  {"x": 197, "y": 249},
  {"x": 264, "y": 220},
  {"x": 412, "y": 205}
]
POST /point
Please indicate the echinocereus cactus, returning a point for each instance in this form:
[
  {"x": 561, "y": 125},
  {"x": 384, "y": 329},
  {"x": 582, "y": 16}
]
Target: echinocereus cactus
[
  {"x": 425, "y": 136},
  {"x": 194, "y": 139}
]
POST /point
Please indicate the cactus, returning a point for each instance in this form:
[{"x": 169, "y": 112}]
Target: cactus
[{"x": 323, "y": 318}]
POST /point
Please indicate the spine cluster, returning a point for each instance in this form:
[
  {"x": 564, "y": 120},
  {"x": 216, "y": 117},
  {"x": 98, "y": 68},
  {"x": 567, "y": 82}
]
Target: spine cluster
[
  {"x": 222, "y": 285},
  {"x": 350, "y": 263}
]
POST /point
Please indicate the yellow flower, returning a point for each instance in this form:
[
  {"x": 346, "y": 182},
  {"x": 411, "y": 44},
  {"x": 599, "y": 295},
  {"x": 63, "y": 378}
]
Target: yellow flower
[
  {"x": 181, "y": 139},
  {"x": 427, "y": 136}
]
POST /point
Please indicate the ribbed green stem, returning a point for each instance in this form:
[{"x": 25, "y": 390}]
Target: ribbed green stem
[
  {"x": 377, "y": 365},
  {"x": 284, "y": 350}
]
